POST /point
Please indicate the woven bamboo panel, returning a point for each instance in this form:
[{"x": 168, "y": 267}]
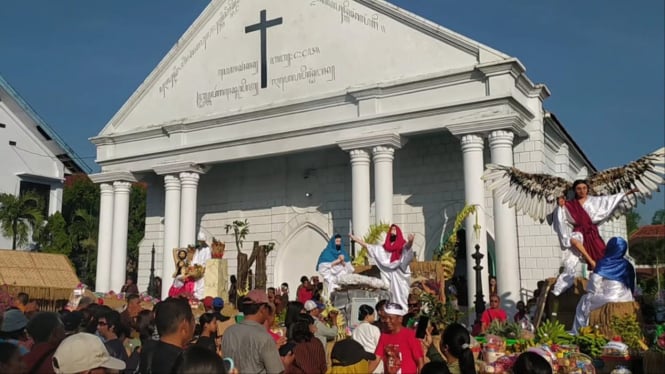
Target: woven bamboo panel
[
  {"x": 16, "y": 259},
  {"x": 59, "y": 279},
  {"x": 427, "y": 269},
  {"x": 50, "y": 261},
  {"x": 40, "y": 275},
  {"x": 21, "y": 277}
]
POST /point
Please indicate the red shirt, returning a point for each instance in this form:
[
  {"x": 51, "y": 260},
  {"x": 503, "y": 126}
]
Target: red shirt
[
  {"x": 304, "y": 294},
  {"x": 409, "y": 348},
  {"x": 40, "y": 352},
  {"x": 490, "y": 315}
]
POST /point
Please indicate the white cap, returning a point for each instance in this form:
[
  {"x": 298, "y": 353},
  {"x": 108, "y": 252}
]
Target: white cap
[
  {"x": 310, "y": 305},
  {"x": 82, "y": 352},
  {"x": 201, "y": 237},
  {"x": 394, "y": 309}
]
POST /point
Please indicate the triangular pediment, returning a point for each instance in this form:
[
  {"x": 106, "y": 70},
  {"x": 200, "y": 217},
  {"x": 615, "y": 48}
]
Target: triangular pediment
[{"x": 240, "y": 55}]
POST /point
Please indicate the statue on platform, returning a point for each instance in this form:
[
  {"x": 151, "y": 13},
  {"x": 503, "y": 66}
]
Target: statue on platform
[
  {"x": 334, "y": 262},
  {"x": 201, "y": 257},
  {"x": 393, "y": 259},
  {"x": 613, "y": 281},
  {"x": 183, "y": 278}
]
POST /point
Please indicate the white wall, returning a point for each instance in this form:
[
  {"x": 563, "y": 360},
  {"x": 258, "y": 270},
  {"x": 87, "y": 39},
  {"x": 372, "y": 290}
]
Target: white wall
[{"x": 28, "y": 156}]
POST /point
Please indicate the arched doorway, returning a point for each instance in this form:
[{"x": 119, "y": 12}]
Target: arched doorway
[{"x": 298, "y": 256}]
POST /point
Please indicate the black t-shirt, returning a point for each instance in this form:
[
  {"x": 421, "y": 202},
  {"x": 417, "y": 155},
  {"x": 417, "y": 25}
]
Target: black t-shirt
[
  {"x": 158, "y": 358},
  {"x": 207, "y": 342}
]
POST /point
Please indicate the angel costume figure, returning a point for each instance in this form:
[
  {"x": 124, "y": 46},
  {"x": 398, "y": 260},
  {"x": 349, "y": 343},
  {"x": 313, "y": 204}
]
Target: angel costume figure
[
  {"x": 613, "y": 281},
  {"x": 334, "y": 262},
  {"x": 617, "y": 190},
  {"x": 576, "y": 224},
  {"x": 393, "y": 259},
  {"x": 201, "y": 256}
]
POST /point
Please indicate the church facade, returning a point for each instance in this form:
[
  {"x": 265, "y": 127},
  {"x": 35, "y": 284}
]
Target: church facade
[{"x": 316, "y": 117}]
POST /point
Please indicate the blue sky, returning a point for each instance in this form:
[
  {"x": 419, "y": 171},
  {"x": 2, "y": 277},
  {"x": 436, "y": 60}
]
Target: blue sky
[{"x": 77, "y": 61}]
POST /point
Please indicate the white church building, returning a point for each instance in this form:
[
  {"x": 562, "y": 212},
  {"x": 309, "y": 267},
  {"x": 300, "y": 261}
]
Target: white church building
[
  {"x": 315, "y": 117},
  {"x": 33, "y": 157}
]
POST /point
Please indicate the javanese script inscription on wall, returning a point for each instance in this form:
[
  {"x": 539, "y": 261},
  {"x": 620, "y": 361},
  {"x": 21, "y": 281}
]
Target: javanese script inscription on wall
[
  {"x": 229, "y": 8},
  {"x": 349, "y": 14},
  {"x": 236, "y": 92}
]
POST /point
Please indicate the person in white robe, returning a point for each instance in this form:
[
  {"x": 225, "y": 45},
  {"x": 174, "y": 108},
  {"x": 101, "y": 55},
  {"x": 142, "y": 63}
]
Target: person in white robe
[
  {"x": 393, "y": 259},
  {"x": 576, "y": 224},
  {"x": 201, "y": 257},
  {"x": 613, "y": 281},
  {"x": 334, "y": 262}
]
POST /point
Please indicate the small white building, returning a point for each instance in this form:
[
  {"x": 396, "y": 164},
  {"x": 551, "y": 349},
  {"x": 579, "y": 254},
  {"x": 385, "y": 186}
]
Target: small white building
[
  {"x": 308, "y": 117},
  {"x": 32, "y": 156}
]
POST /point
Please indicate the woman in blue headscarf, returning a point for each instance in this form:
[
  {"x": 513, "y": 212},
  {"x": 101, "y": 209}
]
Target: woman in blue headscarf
[
  {"x": 333, "y": 262},
  {"x": 613, "y": 281}
]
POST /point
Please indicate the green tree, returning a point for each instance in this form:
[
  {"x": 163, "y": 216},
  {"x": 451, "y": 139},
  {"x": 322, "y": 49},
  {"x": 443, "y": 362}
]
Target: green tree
[
  {"x": 632, "y": 221},
  {"x": 658, "y": 217},
  {"x": 83, "y": 233},
  {"x": 53, "y": 237},
  {"x": 19, "y": 216},
  {"x": 80, "y": 207},
  {"x": 136, "y": 230}
]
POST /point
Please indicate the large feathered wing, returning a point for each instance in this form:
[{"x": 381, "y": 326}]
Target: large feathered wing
[
  {"x": 644, "y": 176},
  {"x": 533, "y": 194}
]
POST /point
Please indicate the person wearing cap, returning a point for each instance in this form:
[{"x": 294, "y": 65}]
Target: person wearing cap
[
  {"x": 248, "y": 343},
  {"x": 201, "y": 257},
  {"x": 13, "y": 330},
  {"x": 399, "y": 348},
  {"x": 393, "y": 259},
  {"x": 323, "y": 332},
  {"x": 84, "y": 353},
  {"x": 349, "y": 357},
  {"x": 47, "y": 331}
]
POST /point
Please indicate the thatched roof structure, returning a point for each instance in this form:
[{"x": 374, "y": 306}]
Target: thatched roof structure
[{"x": 43, "y": 276}]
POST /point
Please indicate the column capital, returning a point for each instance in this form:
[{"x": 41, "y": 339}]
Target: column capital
[
  {"x": 122, "y": 186},
  {"x": 106, "y": 188},
  {"x": 171, "y": 181},
  {"x": 501, "y": 138},
  {"x": 359, "y": 156},
  {"x": 180, "y": 167},
  {"x": 383, "y": 153},
  {"x": 471, "y": 142},
  {"x": 112, "y": 176},
  {"x": 189, "y": 179}
]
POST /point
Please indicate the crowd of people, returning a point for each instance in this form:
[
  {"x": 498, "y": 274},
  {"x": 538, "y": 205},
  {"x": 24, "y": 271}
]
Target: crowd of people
[{"x": 94, "y": 338}]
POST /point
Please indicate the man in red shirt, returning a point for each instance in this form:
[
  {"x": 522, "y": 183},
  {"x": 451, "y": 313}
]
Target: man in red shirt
[
  {"x": 305, "y": 290},
  {"x": 399, "y": 348}
]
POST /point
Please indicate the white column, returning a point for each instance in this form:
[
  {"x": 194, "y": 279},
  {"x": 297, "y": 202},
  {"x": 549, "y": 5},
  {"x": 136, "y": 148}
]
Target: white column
[
  {"x": 119, "y": 247},
  {"x": 360, "y": 161},
  {"x": 474, "y": 192},
  {"x": 505, "y": 228},
  {"x": 189, "y": 183},
  {"x": 383, "y": 183},
  {"x": 104, "y": 238},
  {"x": 171, "y": 229}
]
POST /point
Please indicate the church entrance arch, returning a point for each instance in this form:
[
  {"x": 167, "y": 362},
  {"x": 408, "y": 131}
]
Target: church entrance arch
[{"x": 299, "y": 254}]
